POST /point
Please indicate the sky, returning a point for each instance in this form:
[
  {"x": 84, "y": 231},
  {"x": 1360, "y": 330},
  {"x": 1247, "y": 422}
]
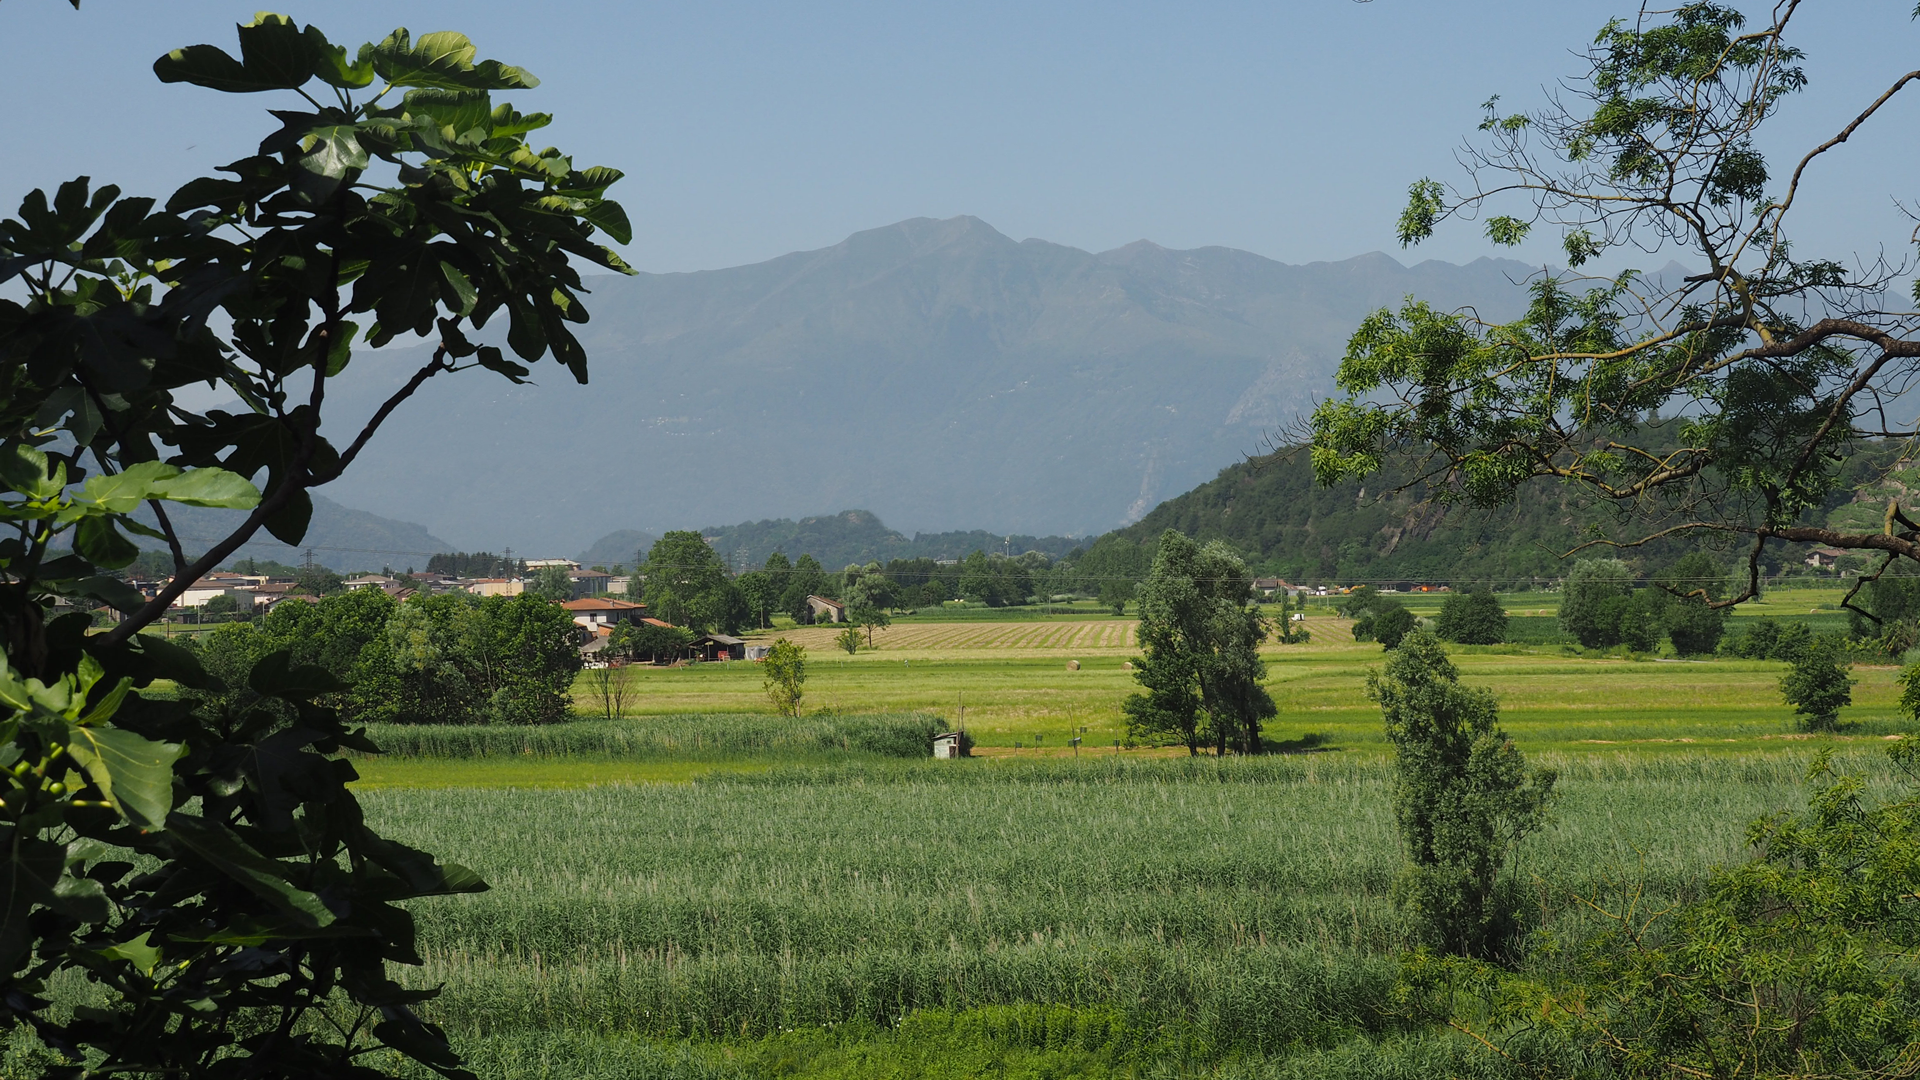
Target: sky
[{"x": 749, "y": 130}]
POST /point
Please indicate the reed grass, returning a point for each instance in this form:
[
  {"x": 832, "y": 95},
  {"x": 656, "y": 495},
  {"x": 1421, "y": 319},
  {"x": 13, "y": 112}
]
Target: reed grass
[{"x": 1239, "y": 910}]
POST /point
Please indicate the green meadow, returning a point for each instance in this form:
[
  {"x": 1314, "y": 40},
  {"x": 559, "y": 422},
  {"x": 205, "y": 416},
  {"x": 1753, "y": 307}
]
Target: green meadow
[{"x": 694, "y": 888}]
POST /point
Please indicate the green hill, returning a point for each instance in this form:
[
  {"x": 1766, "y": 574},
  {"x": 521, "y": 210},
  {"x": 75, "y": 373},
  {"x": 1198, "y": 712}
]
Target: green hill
[{"x": 1286, "y": 524}]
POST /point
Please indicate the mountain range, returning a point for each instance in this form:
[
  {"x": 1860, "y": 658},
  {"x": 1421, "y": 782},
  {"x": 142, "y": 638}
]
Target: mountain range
[
  {"x": 937, "y": 373},
  {"x": 340, "y": 538}
]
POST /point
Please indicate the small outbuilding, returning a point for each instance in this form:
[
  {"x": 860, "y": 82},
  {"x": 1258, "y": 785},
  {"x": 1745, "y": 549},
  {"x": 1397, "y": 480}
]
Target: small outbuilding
[
  {"x": 952, "y": 744},
  {"x": 720, "y": 647}
]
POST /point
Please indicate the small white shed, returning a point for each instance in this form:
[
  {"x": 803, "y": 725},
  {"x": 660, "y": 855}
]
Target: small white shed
[{"x": 949, "y": 745}]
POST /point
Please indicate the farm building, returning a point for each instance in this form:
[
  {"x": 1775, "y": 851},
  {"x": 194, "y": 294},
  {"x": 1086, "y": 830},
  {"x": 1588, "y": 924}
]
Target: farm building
[
  {"x": 825, "y": 610},
  {"x": 951, "y": 744},
  {"x": 1823, "y": 558},
  {"x": 720, "y": 647}
]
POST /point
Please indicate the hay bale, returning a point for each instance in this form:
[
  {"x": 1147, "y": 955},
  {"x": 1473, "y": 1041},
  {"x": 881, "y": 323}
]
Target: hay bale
[
  {"x": 1073, "y": 665},
  {"x": 1126, "y": 665}
]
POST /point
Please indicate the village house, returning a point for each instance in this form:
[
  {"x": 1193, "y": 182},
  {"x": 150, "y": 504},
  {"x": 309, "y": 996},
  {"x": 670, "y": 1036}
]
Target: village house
[
  {"x": 597, "y": 611},
  {"x": 198, "y": 597},
  {"x": 496, "y": 586},
  {"x": 1271, "y": 586},
  {"x": 825, "y": 610},
  {"x": 1824, "y": 558}
]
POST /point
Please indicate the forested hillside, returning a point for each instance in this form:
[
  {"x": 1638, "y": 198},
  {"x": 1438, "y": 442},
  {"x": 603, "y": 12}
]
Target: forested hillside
[{"x": 1272, "y": 510}]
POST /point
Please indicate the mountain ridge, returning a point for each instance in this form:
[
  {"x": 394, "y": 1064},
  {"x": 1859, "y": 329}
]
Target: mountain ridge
[{"x": 936, "y": 372}]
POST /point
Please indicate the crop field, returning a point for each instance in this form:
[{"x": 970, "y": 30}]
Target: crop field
[
  {"x": 1099, "y": 918},
  {"x": 696, "y": 889},
  {"x": 929, "y": 637}
]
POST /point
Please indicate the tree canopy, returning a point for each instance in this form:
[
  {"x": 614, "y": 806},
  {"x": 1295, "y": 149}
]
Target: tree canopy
[
  {"x": 1201, "y": 634},
  {"x": 202, "y": 868},
  {"x": 1772, "y": 362}
]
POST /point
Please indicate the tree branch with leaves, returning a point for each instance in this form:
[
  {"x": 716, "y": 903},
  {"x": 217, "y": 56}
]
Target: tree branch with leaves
[
  {"x": 1771, "y": 365},
  {"x": 402, "y": 201}
]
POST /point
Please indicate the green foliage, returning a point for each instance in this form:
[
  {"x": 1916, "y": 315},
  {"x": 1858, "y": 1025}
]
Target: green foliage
[
  {"x": 1769, "y": 639},
  {"x": 1201, "y": 635},
  {"x": 1594, "y": 600},
  {"x": 320, "y": 581},
  {"x": 200, "y": 866},
  {"x": 446, "y": 659},
  {"x": 1377, "y": 617},
  {"x": 1472, "y": 618},
  {"x": 645, "y": 641},
  {"x": 687, "y": 585},
  {"x": 785, "y": 676},
  {"x": 1888, "y": 608},
  {"x": 868, "y": 593},
  {"x": 1694, "y": 581},
  {"x": 804, "y": 579},
  {"x": 1463, "y": 797},
  {"x": 223, "y": 604},
  {"x": 551, "y": 583},
  {"x": 848, "y": 639},
  {"x": 1818, "y": 685},
  {"x": 1658, "y": 140},
  {"x": 1797, "y": 962},
  {"x": 761, "y": 594},
  {"x": 478, "y": 564},
  {"x": 1391, "y": 623}
]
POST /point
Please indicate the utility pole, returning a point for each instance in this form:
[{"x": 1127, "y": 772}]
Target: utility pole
[{"x": 306, "y": 561}]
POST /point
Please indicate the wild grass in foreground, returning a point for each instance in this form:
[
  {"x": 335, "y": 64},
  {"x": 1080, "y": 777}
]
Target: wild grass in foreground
[
  {"x": 1235, "y": 914},
  {"x": 694, "y": 738}
]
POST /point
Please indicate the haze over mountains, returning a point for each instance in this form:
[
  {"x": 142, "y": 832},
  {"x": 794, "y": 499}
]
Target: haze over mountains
[{"x": 937, "y": 373}]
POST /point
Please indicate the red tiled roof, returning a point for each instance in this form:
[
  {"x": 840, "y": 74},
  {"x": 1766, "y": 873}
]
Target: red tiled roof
[{"x": 601, "y": 603}]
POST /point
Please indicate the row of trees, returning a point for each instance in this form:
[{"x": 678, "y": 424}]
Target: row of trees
[{"x": 450, "y": 658}]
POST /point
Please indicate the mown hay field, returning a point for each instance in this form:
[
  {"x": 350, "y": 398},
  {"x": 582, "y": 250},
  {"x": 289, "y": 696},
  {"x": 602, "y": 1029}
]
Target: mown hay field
[{"x": 1037, "y": 684}]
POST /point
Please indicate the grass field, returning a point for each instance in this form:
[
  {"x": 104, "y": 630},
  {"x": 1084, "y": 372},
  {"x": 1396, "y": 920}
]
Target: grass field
[
  {"x": 1184, "y": 917},
  {"x": 1014, "y": 680},
  {"x": 696, "y": 889}
]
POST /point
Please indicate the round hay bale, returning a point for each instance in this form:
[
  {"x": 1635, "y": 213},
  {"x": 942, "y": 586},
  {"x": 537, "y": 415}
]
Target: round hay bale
[
  {"x": 1126, "y": 665},
  {"x": 1073, "y": 665}
]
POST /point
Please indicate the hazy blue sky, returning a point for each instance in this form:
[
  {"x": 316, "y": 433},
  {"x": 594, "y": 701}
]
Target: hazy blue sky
[{"x": 749, "y": 130}]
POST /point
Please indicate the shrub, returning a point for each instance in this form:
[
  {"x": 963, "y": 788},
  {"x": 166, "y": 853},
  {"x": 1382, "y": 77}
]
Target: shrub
[
  {"x": 848, "y": 639},
  {"x": 1818, "y": 686},
  {"x": 786, "y": 675},
  {"x": 1472, "y": 618},
  {"x": 1767, "y": 639},
  {"x": 1594, "y": 600},
  {"x": 1462, "y": 797},
  {"x": 1694, "y": 581}
]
